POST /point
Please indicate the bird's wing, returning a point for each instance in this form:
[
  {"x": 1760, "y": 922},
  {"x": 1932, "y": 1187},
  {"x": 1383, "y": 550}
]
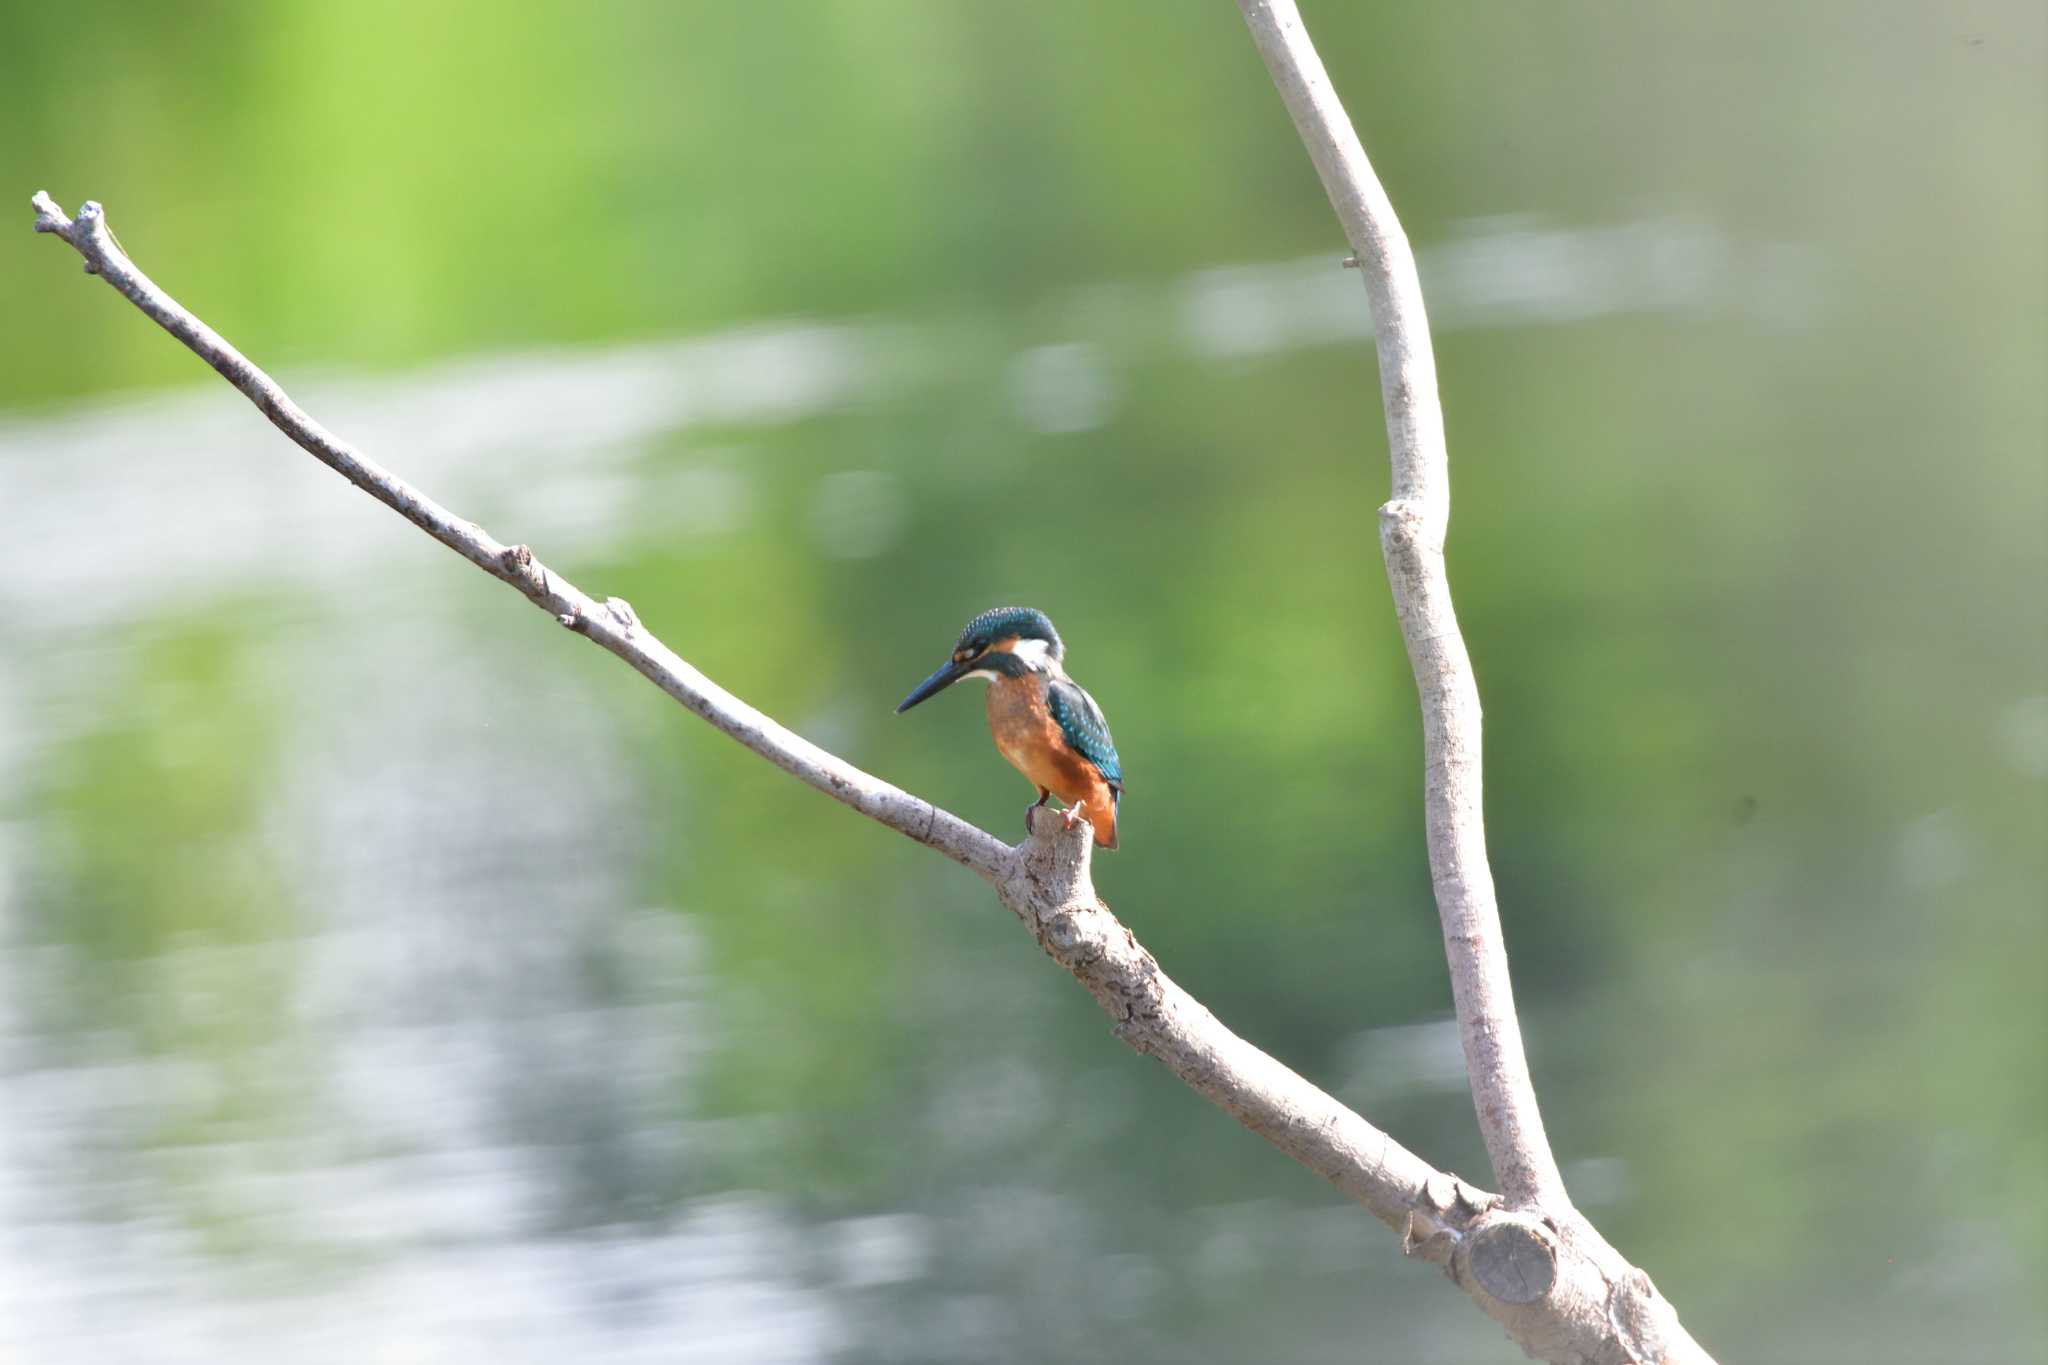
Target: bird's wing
[{"x": 1080, "y": 720}]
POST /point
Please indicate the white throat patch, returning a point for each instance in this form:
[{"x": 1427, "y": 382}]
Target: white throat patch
[{"x": 1037, "y": 653}]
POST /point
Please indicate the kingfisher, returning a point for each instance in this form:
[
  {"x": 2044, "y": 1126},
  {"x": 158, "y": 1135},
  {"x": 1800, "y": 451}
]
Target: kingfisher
[{"x": 1049, "y": 728}]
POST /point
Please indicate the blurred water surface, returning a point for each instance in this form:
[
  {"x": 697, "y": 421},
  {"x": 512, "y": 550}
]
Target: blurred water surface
[{"x": 386, "y": 977}]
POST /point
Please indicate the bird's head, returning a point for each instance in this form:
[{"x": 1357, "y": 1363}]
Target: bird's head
[{"x": 1007, "y": 641}]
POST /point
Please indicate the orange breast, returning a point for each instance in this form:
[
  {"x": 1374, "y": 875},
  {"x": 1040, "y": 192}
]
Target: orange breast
[{"x": 1027, "y": 735}]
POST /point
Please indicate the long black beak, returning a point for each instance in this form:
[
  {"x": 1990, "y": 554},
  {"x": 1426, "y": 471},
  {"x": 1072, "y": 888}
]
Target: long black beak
[{"x": 948, "y": 674}]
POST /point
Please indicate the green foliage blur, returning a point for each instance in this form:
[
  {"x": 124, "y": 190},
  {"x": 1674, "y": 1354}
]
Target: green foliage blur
[{"x": 1741, "y": 332}]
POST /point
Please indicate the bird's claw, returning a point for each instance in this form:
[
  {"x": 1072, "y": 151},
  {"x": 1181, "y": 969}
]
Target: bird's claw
[{"x": 1070, "y": 817}]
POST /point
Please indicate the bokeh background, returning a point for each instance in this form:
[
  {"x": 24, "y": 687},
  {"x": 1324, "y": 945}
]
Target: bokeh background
[{"x": 386, "y": 976}]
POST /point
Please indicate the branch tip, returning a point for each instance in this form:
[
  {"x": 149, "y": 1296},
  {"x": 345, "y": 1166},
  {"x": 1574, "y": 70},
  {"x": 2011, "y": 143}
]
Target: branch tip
[{"x": 49, "y": 216}]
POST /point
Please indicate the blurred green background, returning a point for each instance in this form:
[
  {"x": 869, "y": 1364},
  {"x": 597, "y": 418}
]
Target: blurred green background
[{"x": 386, "y": 976}]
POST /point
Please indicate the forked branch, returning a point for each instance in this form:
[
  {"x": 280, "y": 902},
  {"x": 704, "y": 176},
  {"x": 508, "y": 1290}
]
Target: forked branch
[{"x": 1506, "y": 1259}]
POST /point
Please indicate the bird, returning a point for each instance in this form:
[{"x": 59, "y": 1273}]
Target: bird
[{"x": 1043, "y": 721}]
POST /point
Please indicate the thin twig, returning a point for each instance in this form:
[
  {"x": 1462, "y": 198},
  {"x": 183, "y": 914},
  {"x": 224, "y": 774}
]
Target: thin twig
[{"x": 613, "y": 627}]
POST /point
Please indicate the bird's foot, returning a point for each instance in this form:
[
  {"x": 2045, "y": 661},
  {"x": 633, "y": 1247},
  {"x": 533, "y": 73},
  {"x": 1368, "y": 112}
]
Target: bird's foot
[
  {"x": 1070, "y": 817},
  {"x": 1031, "y": 811}
]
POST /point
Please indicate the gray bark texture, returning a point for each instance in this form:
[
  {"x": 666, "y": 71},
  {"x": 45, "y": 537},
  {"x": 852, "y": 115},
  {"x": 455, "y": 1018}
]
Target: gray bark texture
[{"x": 1528, "y": 1260}]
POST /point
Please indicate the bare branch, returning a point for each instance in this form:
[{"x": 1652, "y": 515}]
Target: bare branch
[
  {"x": 1044, "y": 881},
  {"x": 1546, "y": 1278},
  {"x": 1413, "y": 524},
  {"x": 1412, "y": 528},
  {"x": 611, "y": 624}
]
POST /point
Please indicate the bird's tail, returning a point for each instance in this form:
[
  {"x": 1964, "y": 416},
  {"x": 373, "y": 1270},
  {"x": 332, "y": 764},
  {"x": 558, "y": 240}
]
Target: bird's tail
[{"x": 1104, "y": 822}]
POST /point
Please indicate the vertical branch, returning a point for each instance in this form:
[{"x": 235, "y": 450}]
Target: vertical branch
[
  {"x": 1412, "y": 527},
  {"x": 1539, "y": 1268}
]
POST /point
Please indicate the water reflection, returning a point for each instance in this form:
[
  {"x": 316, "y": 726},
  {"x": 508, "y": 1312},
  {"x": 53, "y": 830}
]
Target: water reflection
[
  {"x": 434, "y": 1107},
  {"x": 428, "y": 1088},
  {"x": 368, "y": 992}
]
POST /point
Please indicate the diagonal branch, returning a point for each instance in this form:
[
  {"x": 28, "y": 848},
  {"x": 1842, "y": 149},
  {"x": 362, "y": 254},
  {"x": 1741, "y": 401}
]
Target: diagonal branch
[
  {"x": 1045, "y": 881},
  {"x": 1559, "y": 1290},
  {"x": 611, "y": 624}
]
